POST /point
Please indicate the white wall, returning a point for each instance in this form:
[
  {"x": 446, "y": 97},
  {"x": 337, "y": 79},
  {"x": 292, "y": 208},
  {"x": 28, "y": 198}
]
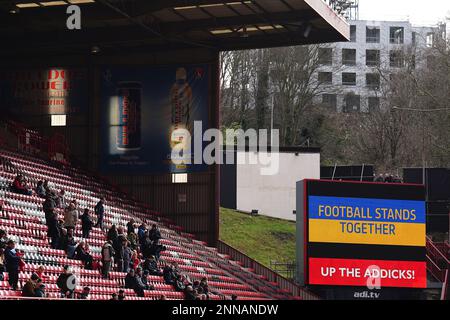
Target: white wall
[{"x": 274, "y": 195}]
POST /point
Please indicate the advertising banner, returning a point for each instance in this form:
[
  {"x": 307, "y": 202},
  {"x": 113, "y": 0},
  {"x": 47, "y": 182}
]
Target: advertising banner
[
  {"x": 150, "y": 111},
  {"x": 44, "y": 91}
]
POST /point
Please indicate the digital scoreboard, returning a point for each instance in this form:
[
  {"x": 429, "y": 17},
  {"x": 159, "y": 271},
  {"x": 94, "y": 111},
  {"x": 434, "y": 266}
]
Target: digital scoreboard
[{"x": 361, "y": 234}]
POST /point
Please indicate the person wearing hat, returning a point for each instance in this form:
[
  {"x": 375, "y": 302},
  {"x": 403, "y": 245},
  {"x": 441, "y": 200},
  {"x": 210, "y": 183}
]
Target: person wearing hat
[
  {"x": 12, "y": 261},
  {"x": 28, "y": 290}
]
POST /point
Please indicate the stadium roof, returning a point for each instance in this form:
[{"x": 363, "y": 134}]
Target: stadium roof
[{"x": 33, "y": 27}]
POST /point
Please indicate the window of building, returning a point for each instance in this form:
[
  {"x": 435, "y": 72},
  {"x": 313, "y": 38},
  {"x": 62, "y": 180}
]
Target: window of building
[
  {"x": 373, "y": 103},
  {"x": 372, "y": 58},
  {"x": 349, "y": 57},
  {"x": 326, "y": 56},
  {"x": 352, "y": 103},
  {"x": 349, "y": 78},
  {"x": 325, "y": 77},
  {"x": 396, "y": 59},
  {"x": 58, "y": 120},
  {"x": 353, "y": 33},
  {"x": 430, "y": 39},
  {"x": 373, "y": 80},
  {"x": 329, "y": 100},
  {"x": 179, "y": 178},
  {"x": 372, "y": 34},
  {"x": 396, "y": 35}
]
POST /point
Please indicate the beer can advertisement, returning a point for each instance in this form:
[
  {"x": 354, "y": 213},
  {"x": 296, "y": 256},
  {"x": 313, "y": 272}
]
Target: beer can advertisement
[{"x": 148, "y": 116}]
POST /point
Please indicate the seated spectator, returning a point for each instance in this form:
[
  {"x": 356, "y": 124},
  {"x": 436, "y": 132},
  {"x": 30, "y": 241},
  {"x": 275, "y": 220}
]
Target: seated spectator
[
  {"x": 39, "y": 292},
  {"x": 66, "y": 283},
  {"x": 68, "y": 243},
  {"x": 84, "y": 295},
  {"x": 135, "y": 261},
  {"x": 170, "y": 275},
  {"x": 234, "y": 297},
  {"x": 19, "y": 185},
  {"x": 40, "y": 273},
  {"x": 40, "y": 190},
  {"x": 151, "y": 265},
  {"x": 179, "y": 284},
  {"x": 155, "y": 249},
  {"x": 86, "y": 223},
  {"x": 204, "y": 286},
  {"x": 189, "y": 293},
  {"x": 121, "y": 295},
  {"x": 82, "y": 253},
  {"x": 28, "y": 290},
  {"x": 162, "y": 297},
  {"x": 130, "y": 280},
  {"x": 114, "y": 297}
]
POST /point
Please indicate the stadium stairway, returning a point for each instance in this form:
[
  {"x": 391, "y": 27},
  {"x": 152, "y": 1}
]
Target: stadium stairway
[{"x": 23, "y": 219}]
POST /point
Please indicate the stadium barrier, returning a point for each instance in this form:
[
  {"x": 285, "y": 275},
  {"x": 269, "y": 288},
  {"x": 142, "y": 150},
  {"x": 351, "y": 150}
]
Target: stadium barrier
[{"x": 285, "y": 284}]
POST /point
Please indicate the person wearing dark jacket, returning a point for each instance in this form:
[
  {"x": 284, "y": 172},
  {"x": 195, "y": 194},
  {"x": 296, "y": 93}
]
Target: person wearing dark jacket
[
  {"x": 86, "y": 223},
  {"x": 69, "y": 245},
  {"x": 51, "y": 220},
  {"x": 100, "y": 212},
  {"x": 39, "y": 292},
  {"x": 82, "y": 253},
  {"x": 189, "y": 293},
  {"x": 141, "y": 232},
  {"x": 151, "y": 265},
  {"x": 130, "y": 280},
  {"x": 29, "y": 289},
  {"x": 179, "y": 284},
  {"x": 127, "y": 254},
  {"x": 12, "y": 264},
  {"x": 66, "y": 283},
  {"x": 130, "y": 226},
  {"x": 112, "y": 235},
  {"x": 154, "y": 234},
  {"x": 40, "y": 190}
]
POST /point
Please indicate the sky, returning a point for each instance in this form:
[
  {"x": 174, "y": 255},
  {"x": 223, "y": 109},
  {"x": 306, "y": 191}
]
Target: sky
[{"x": 419, "y": 12}]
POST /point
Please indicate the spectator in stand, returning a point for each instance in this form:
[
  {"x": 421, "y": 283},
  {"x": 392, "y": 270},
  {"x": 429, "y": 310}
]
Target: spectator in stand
[
  {"x": 151, "y": 265},
  {"x": 84, "y": 295},
  {"x": 107, "y": 257},
  {"x": 40, "y": 190},
  {"x": 130, "y": 226},
  {"x": 121, "y": 295},
  {"x": 47, "y": 187},
  {"x": 146, "y": 245},
  {"x": 66, "y": 283},
  {"x": 126, "y": 256},
  {"x": 82, "y": 253},
  {"x": 19, "y": 185},
  {"x": 39, "y": 292},
  {"x": 141, "y": 232},
  {"x": 112, "y": 235},
  {"x": 162, "y": 297},
  {"x": 86, "y": 223},
  {"x": 154, "y": 233},
  {"x": 100, "y": 212},
  {"x": 234, "y": 297},
  {"x": 169, "y": 275},
  {"x": 28, "y": 290},
  {"x": 139, "y": 284},
  {"x": 144, "y": 278},
  {"x": 204, "y": 286},
  {"x": 3, "y": 241},
  {"x": 40, "y": 273},
  {"x": 132, "y": 239},
  {"x": 379, "y": 178},
  {"x": 189, "y": 293},
  {"x": 179, "y": 284},
  {"x": 51, "y": 220},
  {"x": 130, "y": 279},
  {"x": 155, "y": 249},
  {"x": 61, "y": 201},
  {"x": 135, "y": 261},
  {"x": 119, "y": 258},
  {"x": 71, "y": 216},
  {"x": 114, "y": 297},
  {"x": 68, "y": 243},
  {"x": 12, "y": 260}
]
